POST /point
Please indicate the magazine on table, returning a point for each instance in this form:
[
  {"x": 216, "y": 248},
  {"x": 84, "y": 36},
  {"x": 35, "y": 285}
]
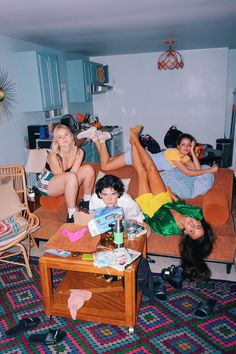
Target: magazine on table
[{"x": 118, "y": 258}]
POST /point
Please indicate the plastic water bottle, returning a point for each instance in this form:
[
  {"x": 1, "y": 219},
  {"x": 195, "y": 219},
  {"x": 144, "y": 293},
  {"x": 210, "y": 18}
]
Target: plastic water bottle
[{"x": 118, "y": 232}]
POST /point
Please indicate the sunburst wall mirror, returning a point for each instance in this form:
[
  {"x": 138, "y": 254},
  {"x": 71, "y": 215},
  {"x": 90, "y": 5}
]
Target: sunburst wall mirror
[{"x": 7, "y": 96}]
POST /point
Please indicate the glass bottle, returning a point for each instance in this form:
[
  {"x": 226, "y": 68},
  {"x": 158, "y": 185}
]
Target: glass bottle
[{"x": 118, "y": 233}]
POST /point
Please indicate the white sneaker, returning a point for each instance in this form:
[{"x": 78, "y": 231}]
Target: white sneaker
[
  {"x": 87, "y": 133},
  {"x": 103, "y": 136}
]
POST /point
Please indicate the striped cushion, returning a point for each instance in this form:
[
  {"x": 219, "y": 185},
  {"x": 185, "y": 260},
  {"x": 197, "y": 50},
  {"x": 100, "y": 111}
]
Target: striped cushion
[{"x": 12, "y": 227}]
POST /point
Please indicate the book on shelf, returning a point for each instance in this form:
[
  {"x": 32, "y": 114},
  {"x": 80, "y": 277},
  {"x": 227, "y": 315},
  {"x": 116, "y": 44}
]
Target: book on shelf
[{"x": 118, "y": 258}]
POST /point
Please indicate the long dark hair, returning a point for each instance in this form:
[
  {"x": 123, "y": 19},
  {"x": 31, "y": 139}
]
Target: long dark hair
[{"x": 193, "y": 253}]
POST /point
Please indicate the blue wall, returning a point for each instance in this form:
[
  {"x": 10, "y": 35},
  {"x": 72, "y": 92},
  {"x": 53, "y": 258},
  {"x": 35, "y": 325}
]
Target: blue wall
[{"x": 12, "y": 132}]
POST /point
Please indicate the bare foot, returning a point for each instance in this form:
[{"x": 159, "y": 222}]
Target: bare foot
[
  {"x": 134, "y": 140},
  {"x": 138, "y": 128}
]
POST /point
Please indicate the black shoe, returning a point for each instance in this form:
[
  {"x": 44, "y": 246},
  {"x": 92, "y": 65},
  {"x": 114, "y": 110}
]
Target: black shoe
[
  {"x": 70, "y": 220},
  {"x": 159, "y": 288},
  {"x": 84, "y": 206},
  {"x": 173, "y": 275}
]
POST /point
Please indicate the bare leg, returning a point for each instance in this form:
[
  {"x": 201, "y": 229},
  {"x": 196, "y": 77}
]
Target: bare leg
[
  {"x": 110, "y": 163},
  {"x": 155, "y": 181},
  {"x": 67, "y": 184},
  {"x": 143, "y": 182},
  {"x": 86, "y": 176}
]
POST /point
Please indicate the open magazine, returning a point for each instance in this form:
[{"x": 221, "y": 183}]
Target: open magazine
[{"x": 118, "y": 258}]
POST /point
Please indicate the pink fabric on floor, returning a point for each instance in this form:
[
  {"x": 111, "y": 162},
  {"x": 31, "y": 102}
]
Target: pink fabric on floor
[
  {"x": 74, "y": 236},
  {"x": 77, "y": 299}
]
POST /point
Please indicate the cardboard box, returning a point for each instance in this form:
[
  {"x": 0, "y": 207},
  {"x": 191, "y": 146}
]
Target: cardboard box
[{"x": 102, "y": 218}]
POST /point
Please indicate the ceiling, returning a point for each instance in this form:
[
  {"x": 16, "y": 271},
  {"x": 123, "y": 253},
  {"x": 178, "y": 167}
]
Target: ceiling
[{"x": 110, "y": 27}]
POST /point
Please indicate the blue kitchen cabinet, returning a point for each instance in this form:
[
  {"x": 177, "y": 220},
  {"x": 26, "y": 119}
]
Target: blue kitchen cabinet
[
  {"x": 39, "y": 81},
  {"x": 79, "y": 80}
]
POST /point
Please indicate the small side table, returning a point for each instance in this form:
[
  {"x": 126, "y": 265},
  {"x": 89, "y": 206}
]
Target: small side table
[{"x": 34, "y": 204}]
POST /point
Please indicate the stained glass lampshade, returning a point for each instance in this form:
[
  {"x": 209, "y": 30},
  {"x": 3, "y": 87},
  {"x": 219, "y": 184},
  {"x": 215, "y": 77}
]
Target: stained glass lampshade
[{"x": 170, "y": 59}]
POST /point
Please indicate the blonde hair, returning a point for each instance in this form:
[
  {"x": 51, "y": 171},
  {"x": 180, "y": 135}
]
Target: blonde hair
[{"x": 55, "y": 148}]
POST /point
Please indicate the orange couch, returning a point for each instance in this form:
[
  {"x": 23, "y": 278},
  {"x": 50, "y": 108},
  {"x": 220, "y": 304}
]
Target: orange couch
[{"x": 225, "y": 245}]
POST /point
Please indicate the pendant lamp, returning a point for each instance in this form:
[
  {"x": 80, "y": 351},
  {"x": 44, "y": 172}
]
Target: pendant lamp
[{"x": 170, "y": 59}]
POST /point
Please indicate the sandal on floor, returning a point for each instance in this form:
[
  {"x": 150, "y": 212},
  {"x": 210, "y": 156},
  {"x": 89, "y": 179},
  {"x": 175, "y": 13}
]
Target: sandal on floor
[
  {"x": 23, "y": 325},
  {"x": 51, "y": 337},
  {"x": 205, "y": 308},
  {"x": 159, "y": 288}
]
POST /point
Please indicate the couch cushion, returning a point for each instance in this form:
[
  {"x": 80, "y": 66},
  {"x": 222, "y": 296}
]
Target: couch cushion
[
  {"x": 52, "y": 203},
  {"x": 160, "y": 245},
  {"x": 126, "y": 181}
]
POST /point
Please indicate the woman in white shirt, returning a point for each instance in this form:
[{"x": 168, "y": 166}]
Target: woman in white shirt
[{"x": 110, "y": 192}]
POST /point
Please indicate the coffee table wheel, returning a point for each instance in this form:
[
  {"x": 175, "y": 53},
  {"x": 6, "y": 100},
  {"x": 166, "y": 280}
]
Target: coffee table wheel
[
  {"x": 131, "y": 330},
  {"x": 48, "y": 317}
]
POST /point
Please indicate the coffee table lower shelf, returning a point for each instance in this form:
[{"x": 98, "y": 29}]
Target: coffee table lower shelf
[{"x": 107, "y": 304}]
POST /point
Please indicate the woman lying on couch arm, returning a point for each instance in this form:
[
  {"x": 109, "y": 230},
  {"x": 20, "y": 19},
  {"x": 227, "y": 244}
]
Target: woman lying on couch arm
[{"x": 168, "y": 217}]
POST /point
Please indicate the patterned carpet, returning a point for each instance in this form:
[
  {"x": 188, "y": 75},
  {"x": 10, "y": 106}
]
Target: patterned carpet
[{"x": 166, "y": 327}]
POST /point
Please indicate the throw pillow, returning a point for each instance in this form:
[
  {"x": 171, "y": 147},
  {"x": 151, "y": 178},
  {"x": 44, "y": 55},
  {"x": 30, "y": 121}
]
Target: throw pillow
[
  {"x": 215, "y": 207},
  {"x": 126, "y": 181},
  {"x": 10, "y": 203}
]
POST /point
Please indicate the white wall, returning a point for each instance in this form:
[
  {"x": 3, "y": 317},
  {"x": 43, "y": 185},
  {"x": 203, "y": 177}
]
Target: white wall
[
  {"x": 193, "y": 98},
  {"x": 12, "y": 132}
]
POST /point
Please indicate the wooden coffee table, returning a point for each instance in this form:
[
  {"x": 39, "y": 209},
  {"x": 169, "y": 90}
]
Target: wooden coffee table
[{"x": 115, "y": 303}]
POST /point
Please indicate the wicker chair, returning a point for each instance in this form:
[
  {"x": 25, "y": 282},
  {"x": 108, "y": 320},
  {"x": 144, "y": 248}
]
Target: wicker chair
[{"x": 17, "y": 174}]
